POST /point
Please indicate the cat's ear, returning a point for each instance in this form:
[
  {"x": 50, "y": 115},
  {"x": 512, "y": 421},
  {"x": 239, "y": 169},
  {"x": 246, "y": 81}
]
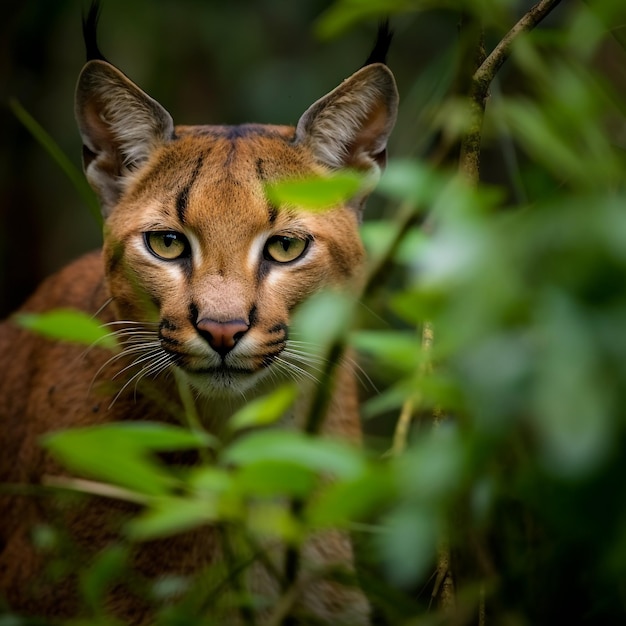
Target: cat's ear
[
  {"x": 120, "y": 126},
  {"x": 350, "y": 126}
]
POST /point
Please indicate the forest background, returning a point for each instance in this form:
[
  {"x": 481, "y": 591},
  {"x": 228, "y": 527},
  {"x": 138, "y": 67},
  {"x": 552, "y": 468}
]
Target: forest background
[{"x": 492, "y": 488}]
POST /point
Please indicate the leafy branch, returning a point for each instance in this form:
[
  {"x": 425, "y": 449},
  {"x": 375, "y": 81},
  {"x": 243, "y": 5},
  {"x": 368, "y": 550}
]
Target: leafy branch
[{"x": 469, "y": 162}]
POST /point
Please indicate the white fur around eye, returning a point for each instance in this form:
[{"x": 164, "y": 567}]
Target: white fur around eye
[
  {"x": 196, "y": 251},
  {"x": 255, "y": 252}
]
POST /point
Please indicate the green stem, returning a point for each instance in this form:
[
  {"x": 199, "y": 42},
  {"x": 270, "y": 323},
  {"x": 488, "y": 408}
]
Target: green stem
[{"x": 76, "y": 177}]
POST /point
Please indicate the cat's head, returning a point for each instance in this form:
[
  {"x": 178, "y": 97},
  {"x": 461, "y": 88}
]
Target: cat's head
[{"x": 194, "y": 250}]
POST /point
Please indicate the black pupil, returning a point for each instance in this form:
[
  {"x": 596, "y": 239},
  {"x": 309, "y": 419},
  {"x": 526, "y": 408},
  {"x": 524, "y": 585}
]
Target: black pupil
[
  {"x": 169, "y": 239},
  {"x": 285, "y": 242}
]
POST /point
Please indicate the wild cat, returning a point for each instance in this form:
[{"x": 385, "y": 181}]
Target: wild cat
[{"x": 198, "y": 273}]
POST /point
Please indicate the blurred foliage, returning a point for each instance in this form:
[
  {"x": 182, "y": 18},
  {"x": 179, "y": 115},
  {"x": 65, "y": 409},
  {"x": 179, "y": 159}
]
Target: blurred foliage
[
  {"x": 508, "y": 471},
  {"x": 67, "y": 325}
]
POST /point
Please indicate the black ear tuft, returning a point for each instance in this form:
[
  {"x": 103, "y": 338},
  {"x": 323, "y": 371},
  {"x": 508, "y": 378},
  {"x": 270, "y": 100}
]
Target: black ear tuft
[
  {"x": 384, "y": 35},
  {"x": 90, "y": 32}
]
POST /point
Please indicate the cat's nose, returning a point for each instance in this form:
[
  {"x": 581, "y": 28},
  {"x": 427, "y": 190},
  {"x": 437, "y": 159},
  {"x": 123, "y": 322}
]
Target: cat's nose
[{"x": 222, "y": 336}]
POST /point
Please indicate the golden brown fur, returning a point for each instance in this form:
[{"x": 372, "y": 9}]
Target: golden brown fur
[{"x": 205, "y": 184}]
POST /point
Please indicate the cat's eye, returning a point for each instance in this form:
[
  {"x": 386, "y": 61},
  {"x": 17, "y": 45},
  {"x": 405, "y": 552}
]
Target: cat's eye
[
  {"x": 283, "y": 249},
  {"x": 167, "y": 244}
]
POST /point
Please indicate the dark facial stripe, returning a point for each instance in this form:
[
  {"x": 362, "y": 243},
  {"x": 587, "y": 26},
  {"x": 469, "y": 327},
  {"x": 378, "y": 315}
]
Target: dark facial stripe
[
  {"x": 260, "y": 171},
  {"x": 193, "y": 313},
  {"x": 167, "y": 324},
  {"x": 268, "y": 359},
  {"x": 115, "y": 258},
  {"x": 187, "y": 267},
  {"x": 263, "y": 270},
  {"x": 281, "y": 341},
  {"x": 252, "y": 316},
  {"x": 182, "y": 199},
  {"x": 278, "y": 328}
]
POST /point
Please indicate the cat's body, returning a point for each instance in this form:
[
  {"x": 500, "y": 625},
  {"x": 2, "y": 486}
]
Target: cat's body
[{"x": 198, "y": 272}]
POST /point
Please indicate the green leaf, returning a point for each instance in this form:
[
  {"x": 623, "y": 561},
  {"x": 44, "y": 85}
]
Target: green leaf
[
  {"x": 274, "y": 478},
  {"x": 148, "y": 436},
  {"x": 210, "y": 479},
  {"x": 216, "y": 486},
  {"x": 399, "y": 349},
  {"x": 344, "y": 13},
  {"x": 67, "y": 325},
  {"x": 323, "y": 319},
  {"x": 574, "y": 416},
  {"x": 265, "y": 410},
  {"x": 275, "y": 520},
  {"x": 391, "y": 399},
  {"x": 325, "y": 456},
  {"x": 343, "y": 502},
  {"x": 316, "y": 193},
  {"x": 119, "y": 453},
  {"x": 408, "y": 543},
  {"x": 411, "y": 181},
  {"x": 378, "y": 236},
  {"x": 107, "y": 567},
  {"x": 169, "y": 516},
  {"x": 432, "y": 469}
]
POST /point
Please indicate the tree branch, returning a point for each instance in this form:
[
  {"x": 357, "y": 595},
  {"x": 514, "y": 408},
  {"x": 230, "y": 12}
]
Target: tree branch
[
  {"x": 469, "y": 166},
  {"x": 490, "y": 66},
  {"x": 469, "y": 161}
]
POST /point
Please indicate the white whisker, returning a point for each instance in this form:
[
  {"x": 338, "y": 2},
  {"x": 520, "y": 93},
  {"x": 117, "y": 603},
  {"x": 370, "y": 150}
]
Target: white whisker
[
  {"x": 131, "y": 323},
  {"x": 299, "y": 352},
  {"x": 305, "y": 359},
  {"x": 104, "y": 306},
  {"x": 139, "y": 343},
  {"x": 361, "y": 375},
  {"x": 148, "y": 356},
  {"x": 151, "y": 368},
  {"x": 295, "y": 371},
  {"x": 126, "y": 352},
  {"x": 131, "y": 332},
  {"x": 309, "y": 353}
]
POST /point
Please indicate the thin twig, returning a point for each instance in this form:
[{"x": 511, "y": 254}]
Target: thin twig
[
  {"x": 482, "y": 607},
  {"x": 469, "y": 167},
  {"x": 490, "y": 66},
  {"x": 323, "y": 393},
  {"x": 469, "y": 161},
  {"x": 401, "y": 432},
  {"x": 281, "y": 614},
  {"x": 413, "y": 402},
  {"x": 443, "y": 589},
  {"x": 45, "y": 140},
  {"x": 313, "y": 424},
  {"x": 236, "y": 575},
  {"x": 94, "y": 488},
  {"x": 190, "y": 411}
]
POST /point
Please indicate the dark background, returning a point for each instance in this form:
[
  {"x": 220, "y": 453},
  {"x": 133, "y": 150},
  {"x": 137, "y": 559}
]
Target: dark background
[{"x": 206, "y": 61}]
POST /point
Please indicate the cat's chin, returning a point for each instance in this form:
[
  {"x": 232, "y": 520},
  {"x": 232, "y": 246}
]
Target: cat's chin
[{"x": 223, "y": 382}]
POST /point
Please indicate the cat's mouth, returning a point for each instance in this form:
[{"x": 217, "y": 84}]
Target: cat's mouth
[
  {"x": 224, "y": 378},
  {"x": 236, "y": 369},
  {"x": 228, "y": 375},
  {"x": 235, "y": 372}
]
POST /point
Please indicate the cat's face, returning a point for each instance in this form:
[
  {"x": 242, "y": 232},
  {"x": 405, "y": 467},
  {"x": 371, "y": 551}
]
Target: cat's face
[
  {"x": 203, "y": 268},
  {"x": 213, "y": 264}
]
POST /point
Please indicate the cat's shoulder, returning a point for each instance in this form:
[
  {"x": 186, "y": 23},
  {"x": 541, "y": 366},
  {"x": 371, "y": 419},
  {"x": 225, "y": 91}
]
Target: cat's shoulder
[{"x": 78, "y": 285}]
